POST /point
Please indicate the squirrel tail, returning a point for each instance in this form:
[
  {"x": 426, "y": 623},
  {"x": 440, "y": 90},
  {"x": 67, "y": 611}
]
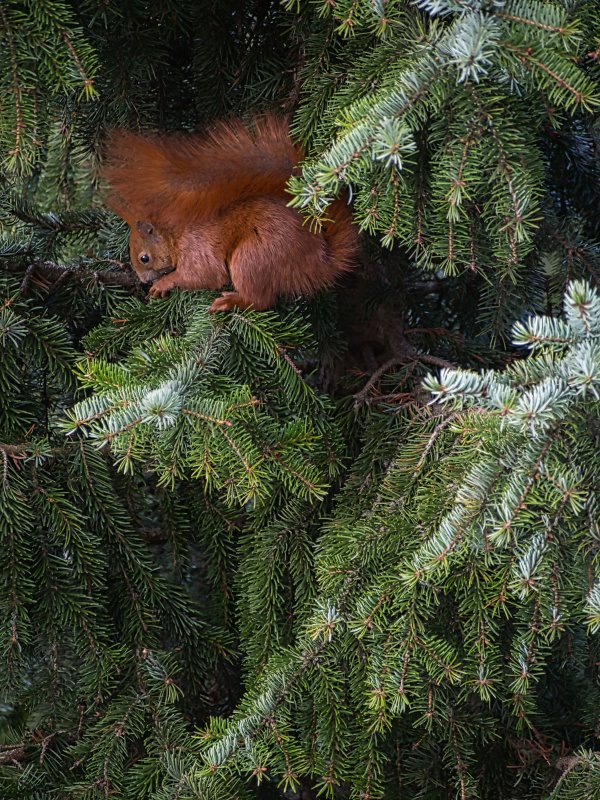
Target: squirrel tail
[
  {"x": 341, "y": 236},
  {"x": 175, "y": 179}
]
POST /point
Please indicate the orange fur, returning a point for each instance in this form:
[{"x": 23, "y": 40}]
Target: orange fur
[{"x": 210, "y": 209}]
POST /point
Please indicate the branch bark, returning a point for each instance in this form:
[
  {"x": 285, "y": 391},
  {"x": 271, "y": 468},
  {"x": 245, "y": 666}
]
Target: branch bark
[{"x": 59, "y": 272}]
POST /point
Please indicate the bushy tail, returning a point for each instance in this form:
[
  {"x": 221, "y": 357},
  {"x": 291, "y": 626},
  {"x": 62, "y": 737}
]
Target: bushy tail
[
  {"x": 175, "y": 179},
  {"x": 341, "y": 235}
]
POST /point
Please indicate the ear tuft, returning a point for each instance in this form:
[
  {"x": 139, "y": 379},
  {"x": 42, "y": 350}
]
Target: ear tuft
[{"x": 145, "y": 228}]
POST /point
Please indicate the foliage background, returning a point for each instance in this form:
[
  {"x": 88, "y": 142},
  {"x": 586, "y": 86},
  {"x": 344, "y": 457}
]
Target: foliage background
[{"x": 245, "y": 555}]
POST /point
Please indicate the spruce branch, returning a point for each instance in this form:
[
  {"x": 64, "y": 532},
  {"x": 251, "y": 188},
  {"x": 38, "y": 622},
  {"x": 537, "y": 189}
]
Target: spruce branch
[{"x": 54, "y": 272}]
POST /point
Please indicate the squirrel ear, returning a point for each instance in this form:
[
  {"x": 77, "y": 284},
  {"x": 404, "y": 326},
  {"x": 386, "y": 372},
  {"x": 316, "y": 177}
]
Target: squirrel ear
[{"x": 145, "y": 228}]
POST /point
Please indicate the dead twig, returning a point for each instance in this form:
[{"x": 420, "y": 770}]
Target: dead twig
[{"x": 410, "y": 357}]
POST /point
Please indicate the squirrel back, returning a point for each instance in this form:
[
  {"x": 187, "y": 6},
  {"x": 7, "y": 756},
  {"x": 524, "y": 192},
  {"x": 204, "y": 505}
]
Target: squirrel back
[{"x": 179, "y": 179}]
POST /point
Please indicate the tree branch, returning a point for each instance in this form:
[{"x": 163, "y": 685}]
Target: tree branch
[
  {"x": 13, "y": 450},
  {"x": 60, "y": 272},
  {"x": 411, "y": 356}
]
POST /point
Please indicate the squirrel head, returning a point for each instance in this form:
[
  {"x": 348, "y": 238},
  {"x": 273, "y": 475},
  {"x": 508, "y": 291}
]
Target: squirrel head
[{"x": 150, "y": 252}]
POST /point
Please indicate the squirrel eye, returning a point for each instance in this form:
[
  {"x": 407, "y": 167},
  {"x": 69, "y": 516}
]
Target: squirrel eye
[{"x": 144, "y": 258}]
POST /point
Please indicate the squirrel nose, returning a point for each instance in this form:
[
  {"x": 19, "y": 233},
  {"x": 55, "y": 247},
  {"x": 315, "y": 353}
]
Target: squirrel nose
[{"x": 148, "y": 276}]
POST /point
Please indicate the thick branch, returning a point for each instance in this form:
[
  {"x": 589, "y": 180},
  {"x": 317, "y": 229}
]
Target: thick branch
[{"x": 61, "y": 272}]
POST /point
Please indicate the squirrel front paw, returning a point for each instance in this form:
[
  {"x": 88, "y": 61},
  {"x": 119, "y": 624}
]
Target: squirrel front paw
[
  {"x": 162, "y": 286},
  {"x": 159, "y": 291}
]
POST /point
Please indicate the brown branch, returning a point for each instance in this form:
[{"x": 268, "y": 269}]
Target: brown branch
[
  {"x": 526, "y": 58},
  {"x": 88, "y": 82},
  {"x": 59, "y": 272},
  {"x": 26, "y": 282},
  {"x": 14, "y": 450},
  {"x": 12, "y": 754},
  {"x": 361, "y": 396},
  {"x": 534, "y": 23},
  {"x": 283, "y": 354},
  {"x": 206, "y": 417},
  {"x": 434, "y": 360},
  {"x": 396, "y": 361}
]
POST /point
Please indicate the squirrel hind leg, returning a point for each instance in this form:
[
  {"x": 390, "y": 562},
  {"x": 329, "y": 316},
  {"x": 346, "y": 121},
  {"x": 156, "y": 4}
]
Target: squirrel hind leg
[{"x": 229, "y": 300}]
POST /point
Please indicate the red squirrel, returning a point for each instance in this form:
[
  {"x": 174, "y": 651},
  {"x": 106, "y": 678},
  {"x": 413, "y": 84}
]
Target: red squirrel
[{"x": 207, "y": 210}]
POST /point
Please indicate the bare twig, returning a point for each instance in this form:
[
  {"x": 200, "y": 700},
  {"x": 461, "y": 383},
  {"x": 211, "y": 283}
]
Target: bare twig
[{"x": 396, "y": 361}]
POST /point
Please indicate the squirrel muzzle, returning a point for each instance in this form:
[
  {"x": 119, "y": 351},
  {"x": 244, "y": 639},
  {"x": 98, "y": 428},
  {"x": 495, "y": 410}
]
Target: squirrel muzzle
[{"x": 150, "y": 252}]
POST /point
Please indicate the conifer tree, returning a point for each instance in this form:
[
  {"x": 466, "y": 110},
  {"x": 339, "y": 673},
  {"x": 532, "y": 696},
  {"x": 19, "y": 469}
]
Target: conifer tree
[{"x": 347, "y": 547}]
